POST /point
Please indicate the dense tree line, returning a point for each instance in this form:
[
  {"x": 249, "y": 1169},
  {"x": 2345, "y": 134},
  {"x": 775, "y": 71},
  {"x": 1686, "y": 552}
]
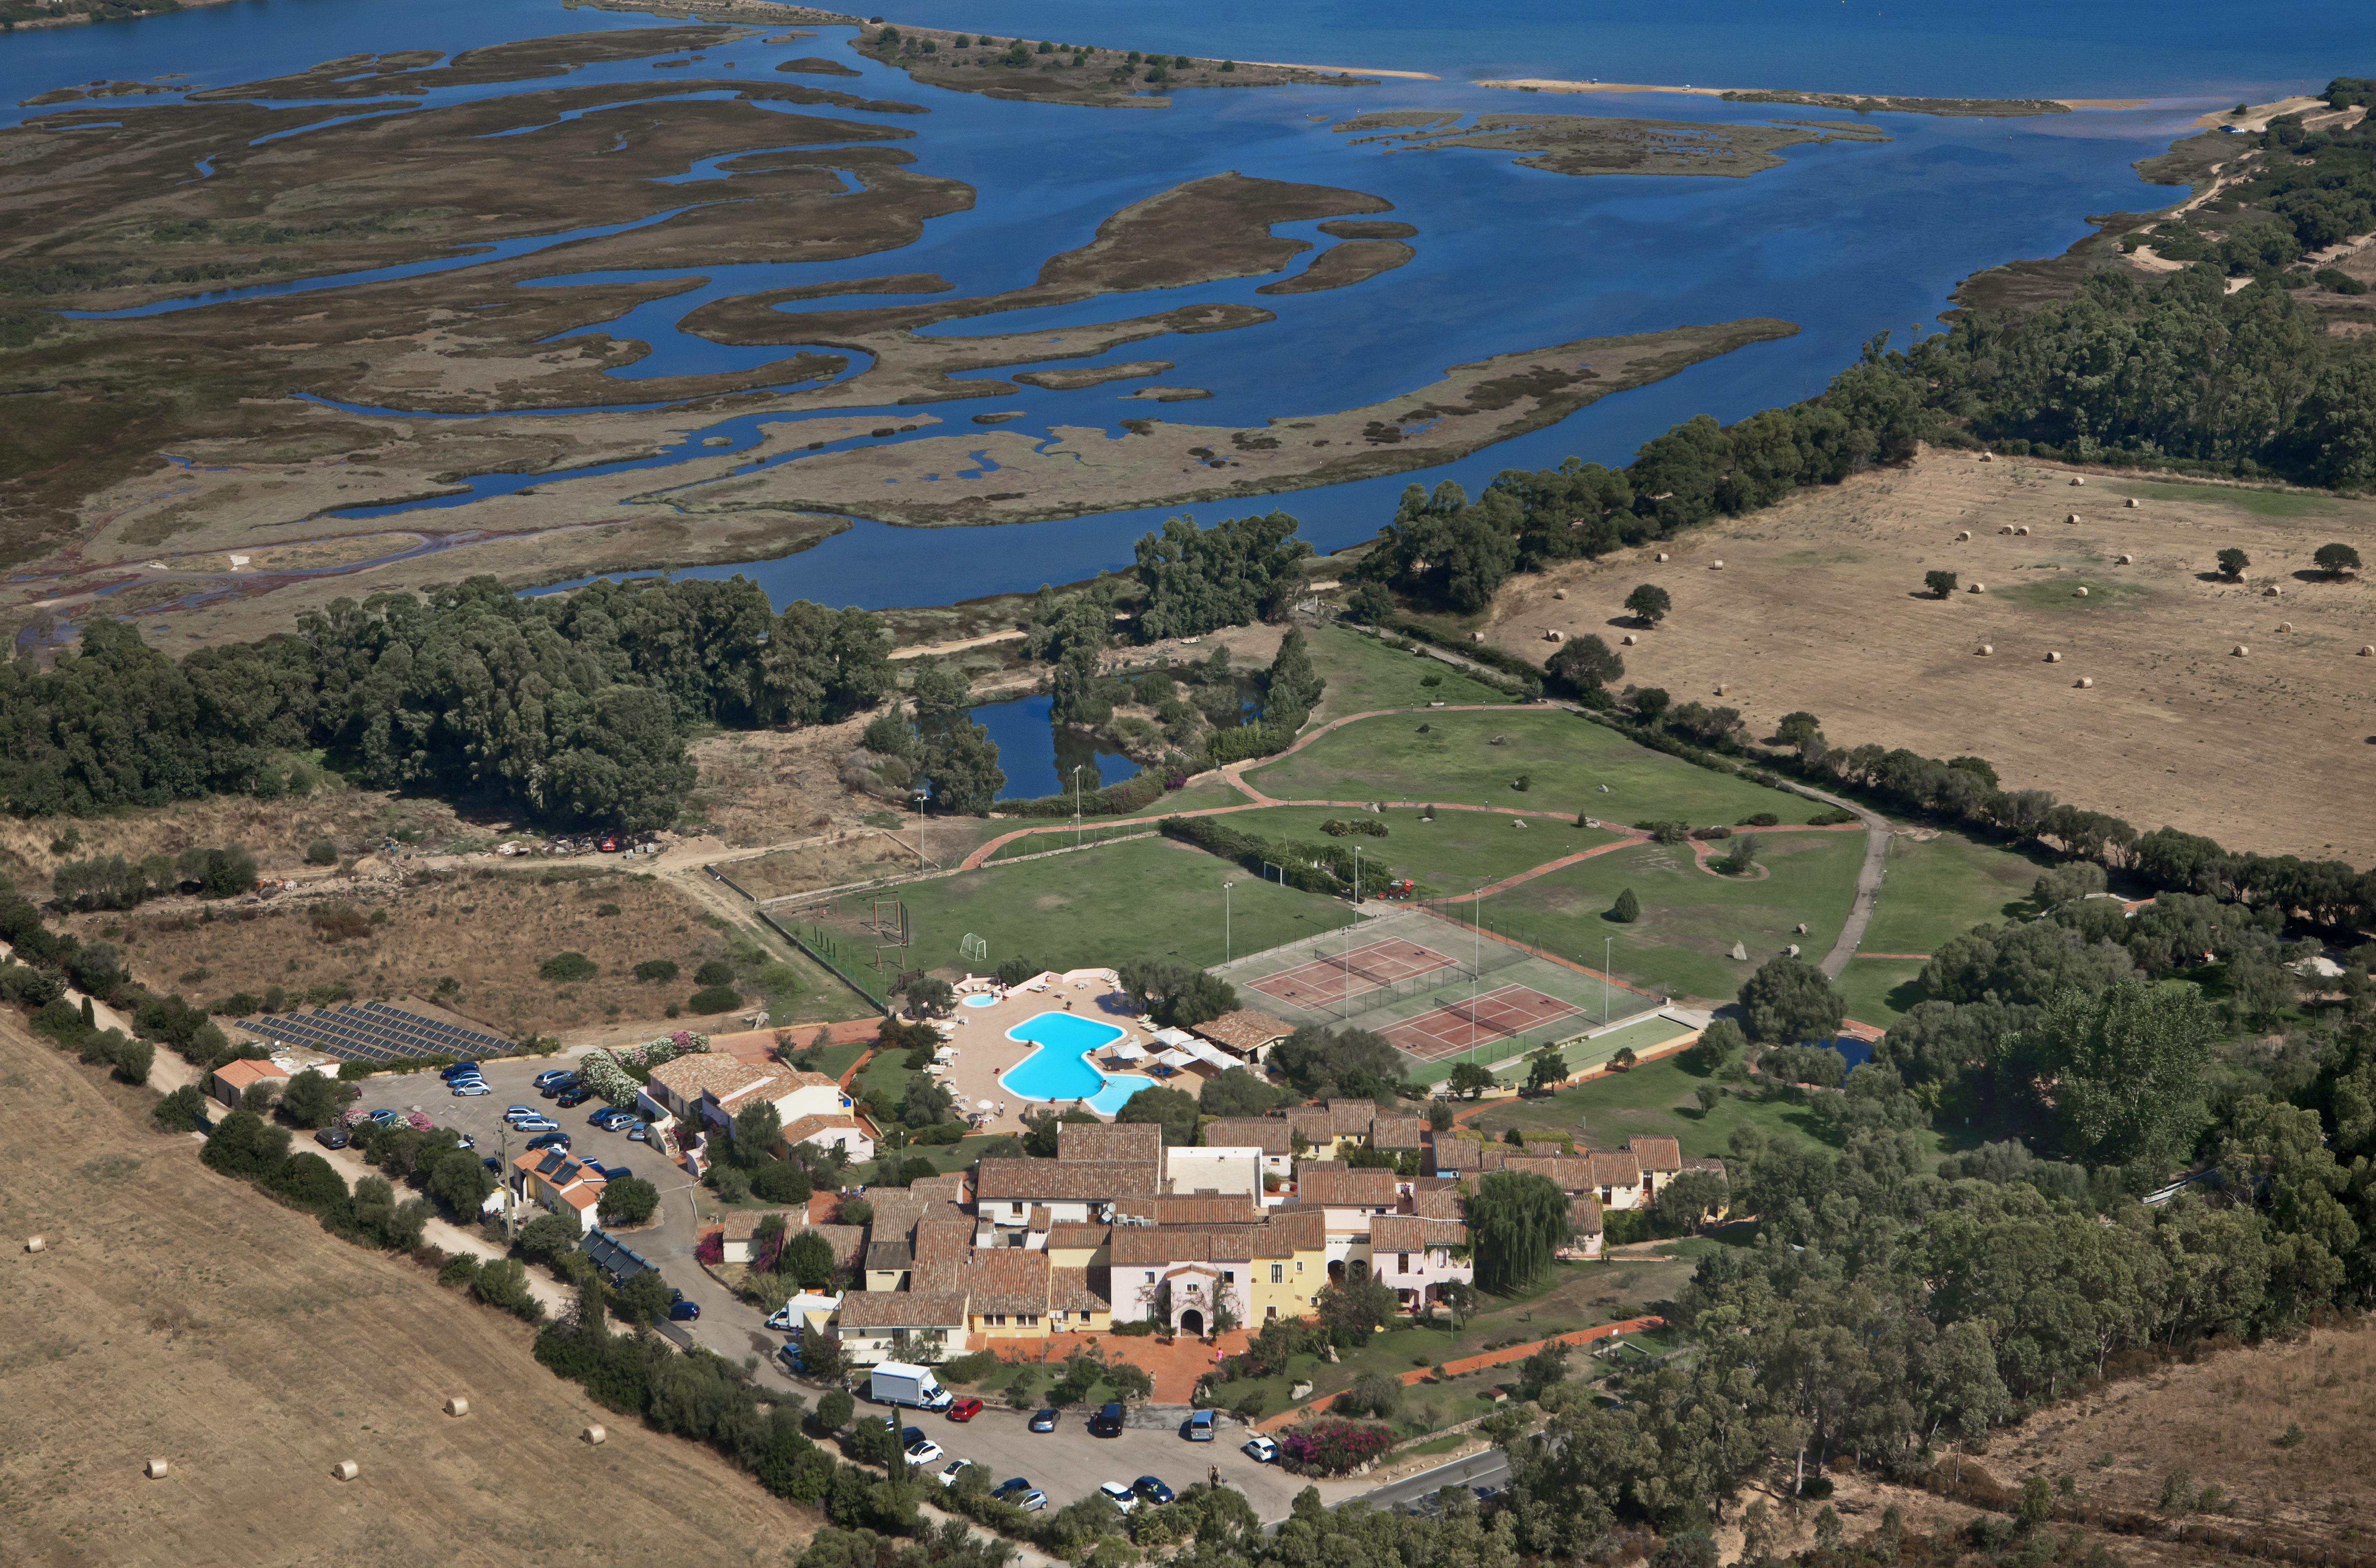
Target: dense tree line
[
  {"x": 1235, "y": 573},
  {"x": 569, "y": 707}
]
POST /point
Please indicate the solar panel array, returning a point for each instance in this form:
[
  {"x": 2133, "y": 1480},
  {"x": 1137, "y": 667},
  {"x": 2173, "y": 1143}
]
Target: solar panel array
[{"x": 376, "y": 1032}]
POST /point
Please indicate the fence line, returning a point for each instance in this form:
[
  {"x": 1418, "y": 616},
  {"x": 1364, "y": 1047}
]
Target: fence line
[{"x": 819, "y": 945}]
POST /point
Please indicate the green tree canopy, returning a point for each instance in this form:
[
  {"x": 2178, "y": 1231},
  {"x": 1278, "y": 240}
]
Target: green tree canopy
[
  {"x": 1516, "y": 1220},
  {"x": 1787, "y": 1000}
]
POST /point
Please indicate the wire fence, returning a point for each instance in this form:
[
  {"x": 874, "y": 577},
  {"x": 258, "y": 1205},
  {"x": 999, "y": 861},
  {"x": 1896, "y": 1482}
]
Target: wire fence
[{"x": 853, "y": 961}]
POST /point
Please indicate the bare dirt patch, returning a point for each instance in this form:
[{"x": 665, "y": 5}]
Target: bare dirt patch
[
  {"x": 1819, "y": 606},
  {"x": 179, "y": 1315},
  {"x": 487, "y": 931}
]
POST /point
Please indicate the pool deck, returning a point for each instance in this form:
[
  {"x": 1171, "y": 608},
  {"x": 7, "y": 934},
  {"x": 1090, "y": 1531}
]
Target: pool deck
[{"x": 984, "y": 1052}]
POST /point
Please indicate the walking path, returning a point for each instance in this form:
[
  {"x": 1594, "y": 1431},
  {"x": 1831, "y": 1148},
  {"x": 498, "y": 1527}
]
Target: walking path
[{"x": 1466, "y": 1364}]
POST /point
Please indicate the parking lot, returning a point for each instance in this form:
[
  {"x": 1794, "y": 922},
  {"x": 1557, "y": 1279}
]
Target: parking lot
[
  {"x": 1068, "y": 1463},
  {"x": 511, "y": 1084}
]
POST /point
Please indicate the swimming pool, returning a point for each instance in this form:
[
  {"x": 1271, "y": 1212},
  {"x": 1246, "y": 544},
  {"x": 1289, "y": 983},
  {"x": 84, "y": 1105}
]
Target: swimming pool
[
  {"x": 1060, "y": 1069},
  {"x": 983, "y": 999}
]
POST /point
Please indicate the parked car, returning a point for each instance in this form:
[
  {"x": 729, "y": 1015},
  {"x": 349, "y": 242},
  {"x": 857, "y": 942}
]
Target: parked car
[
  {"x": 1119, "y": 1495},
  {"x": 684, "y": 1312},
  {"x": 452, "y": 1068},
  {"x": 610, "y": 1172},
  {"x": 952, "y": 1471},
  {"x": 1200, "y": 1427},
  {"x": 552, "y": 1077},
  {"x": 609, "y": 844},
  {"x": 605, "y": 1116},
  {"x": 383, "y": 1118},
  {"x": 466, "y": 1141},
  {"x": 1261, "y": 1449},
  {"x": 574, "y": 1098},
  {"x": 472, "y": 1077},
  {"x": 1107, "y": 1422},
  {"x": 965, "y": 1409},
  {"x": 923, "y": 1451},
  {"x": 471, "y": 1089},
  {"x": 514, "y": 1110},
  {"x": 492, "y": 1163},
  {"x": 332, "y": 1137},
  {"x": 1045, "y": 1421},
  {"x": 637, "y": 1132},
  {"x": 536, "y": 1124},
  {"x": 1021, "y": 1493},
  {"x": 556, "y": 1089},
  {"x": 780, "y": 1319},
  {"x": 1151, "y": 1489},
  {"x": 549, "y": 1140}
]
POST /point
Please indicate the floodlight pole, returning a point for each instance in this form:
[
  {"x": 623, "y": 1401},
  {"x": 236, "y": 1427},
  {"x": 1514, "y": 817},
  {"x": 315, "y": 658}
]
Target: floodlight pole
[
  {"x": 1076, "y": 805},
  {"x": 917, "y": 796},
  {"x": 1607, "y": 944},
  {"x": 1225, "y": 919},
  {"x": 1476, "y": 959}
]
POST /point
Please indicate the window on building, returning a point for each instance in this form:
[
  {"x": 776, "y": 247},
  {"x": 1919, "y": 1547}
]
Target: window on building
[
  {"x": 1228, "y": 1276},
  {"x": 1277, "y": 1274},
  {"x": 1403, "y": 1264},
  {"x": 1269, "y": 1313},
  {"x": 1606, "y": 1194},
  {"x": 1299, "y": 1265},
  {"x": 998, "y": 1320},
  {"x": 1015, "y": 1209},
  {"x": 1150, "y": 1277}
]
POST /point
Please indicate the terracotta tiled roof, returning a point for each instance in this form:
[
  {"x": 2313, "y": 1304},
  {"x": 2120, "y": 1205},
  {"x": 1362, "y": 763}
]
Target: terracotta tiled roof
[
  {"x": 1410, "y": 1233},
  {"x": 1062, "y": 1180},
  {"x": 1073, "y": 1290},
  {"x": 241, "y": 1074},
  {"x": 944, "y": 1250},
  {"x": 903, "y": 1309},
  {"x": 1294, "y": 1231},
  {"x": 804, "y": 1128},
  {"x": 1155, "y": 1246},
  {"x": 1396, "y": 1132},
  {"x": 1458, "y": 1154},
  {"x": 742, "y": 1224},
  {"x": 935, "y": 1190},
  {"x": 845, "y": 1240},
  {"x": 1584, "y": 1212},
  {"x": 1073, "y": 1236},
  {"x": 1573, "y": 1174},
  {"x": 1271, "y": 1135},
  {"x": 1439, "y": 1203},
  {"x": 690, "y": 1077},
  {"x": 1007, "y": 1280},
  {"x": 1348, "y": 1189},
  {"x": 1617, "y": 1169},
  {"x": 1109, "y": 1142},
  {"x": 1244, "y": 1031},
  {"x": 1242, "y": 1209},
  {"x": 1658, "y": 1154}
]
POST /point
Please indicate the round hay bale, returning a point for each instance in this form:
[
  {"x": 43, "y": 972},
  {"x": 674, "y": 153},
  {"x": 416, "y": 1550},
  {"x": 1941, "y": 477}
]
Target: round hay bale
[
  {"x": 346, "y": 1469},
  {"x": 2273, "y": 591},
  {"x": 34, "y": 1243},
  {"x": 1716, "y": 565},
  {"x": 2076, "y": 480},
  {"x": 1475, "y": 636},
  {"x": 1559, "y": 593},
  {"x": 2023, "y": 532},
  {"x": 594, "y": 1434},
  {"x": 2125, "y": 561},
  {"x": 1662, "y": 557},
  {"x": 2238, "y": 651},
  {"x": 2368, "y": 650},
  {"x": 1790, "y": 950},
  {"x": 2131, "y": 503},
  {"x": 1719, "y": 690},
  {"x": 2078, "y": 593},
  {"x": 1978, "y": 587},
  {"x": 1554, "y": 636},
  {"x": 155, "y": 1469},
  {"x": 1626, "y": 641},
  {"x": 2071, "y": 517},
  {"x": 1985, "y": 650},
  {"x": 1802, "y": 928},
  {"x": 2054, "y": 658},
  {"x": 2083, "y": 682},
  {"x": 2007, "y": 528},
  {"x": 1987, "y": 457},
  {"x": 1964, "y": 537},
  {"x": 458, "y": 1405},
  {"x": 2285, "y": 625}
]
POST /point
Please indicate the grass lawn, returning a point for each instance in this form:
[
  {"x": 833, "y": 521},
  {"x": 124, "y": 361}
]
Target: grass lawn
[
  {"x": 1881, "y": 990},
  {"x": 1942, "y": 888},
  {"x": 835, "y": 1060},
  {"x": 1154, "y": 899},
  {"x": 1364, "y": 675},
  {"x": 945, "y": 1157},
  {"x": 1451, "y": 854},
  {"x": 1657, "y": 1099},
  {"x": 1690, "y": 918},
  {"x": 1566, "y": 759},
  {"x": 1090, "y": 833}
]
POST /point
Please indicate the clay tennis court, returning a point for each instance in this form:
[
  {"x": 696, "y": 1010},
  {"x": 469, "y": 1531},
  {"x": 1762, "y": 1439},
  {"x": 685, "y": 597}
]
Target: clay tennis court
[
  {"x": 1370, "y": 967},
  {"x": 1499, "y": 1015}
]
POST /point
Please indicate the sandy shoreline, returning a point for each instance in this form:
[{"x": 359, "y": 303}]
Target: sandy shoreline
[
  {"x": 1345, "y": 70},
  {"x": 1552, "y": 83}
]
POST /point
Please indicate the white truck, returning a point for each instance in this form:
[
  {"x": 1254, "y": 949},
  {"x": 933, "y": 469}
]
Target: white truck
[{"x": 898, "y": 1382}]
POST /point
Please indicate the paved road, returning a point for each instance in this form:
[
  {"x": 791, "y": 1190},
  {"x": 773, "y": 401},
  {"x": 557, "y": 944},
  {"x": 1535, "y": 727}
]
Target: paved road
[{"x": 1490, "y": 1468}]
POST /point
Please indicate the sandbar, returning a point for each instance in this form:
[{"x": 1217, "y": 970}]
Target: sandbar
[{"x": 1863, "y": 102}]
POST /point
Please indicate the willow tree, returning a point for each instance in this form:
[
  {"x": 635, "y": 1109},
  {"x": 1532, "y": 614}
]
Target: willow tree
[{"x": 1516, "y": 1220}]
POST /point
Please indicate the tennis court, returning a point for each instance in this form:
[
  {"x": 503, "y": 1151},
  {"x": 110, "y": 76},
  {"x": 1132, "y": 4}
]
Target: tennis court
[
  {"x": 1334, "y": 978},
  {"x": 1502, "y": 1013}
]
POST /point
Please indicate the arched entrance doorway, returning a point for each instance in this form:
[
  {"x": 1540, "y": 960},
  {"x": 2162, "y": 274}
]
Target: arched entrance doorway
[
  {"x": 1336, "y": 1271},
  {"x": 1193, "y": 1322}
]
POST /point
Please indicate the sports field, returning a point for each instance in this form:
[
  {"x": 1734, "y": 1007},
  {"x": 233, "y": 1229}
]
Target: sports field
[
  {"x": 1507, "y": 1011},
  {"x": 1373, "y": 967}
]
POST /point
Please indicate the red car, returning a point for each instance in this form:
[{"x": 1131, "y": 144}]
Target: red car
[
  {"x": 965, "y": 1409},
  {"x": 610, "y": 845}
]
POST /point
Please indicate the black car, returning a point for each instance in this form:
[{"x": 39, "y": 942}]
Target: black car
[
  {"x": 572, "y": 1098},
  {"x": 1045, "y": 1421},
  {"x": 1107, "y": 1422},
  {"x": 1152, "y": 1489},
  {"x": 555, "y": 1089},
  {"x": 332, "y": 1137}
]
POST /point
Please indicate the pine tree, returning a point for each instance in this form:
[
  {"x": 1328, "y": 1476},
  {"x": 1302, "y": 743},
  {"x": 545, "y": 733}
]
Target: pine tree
[{"x": 1629, "y": 907}]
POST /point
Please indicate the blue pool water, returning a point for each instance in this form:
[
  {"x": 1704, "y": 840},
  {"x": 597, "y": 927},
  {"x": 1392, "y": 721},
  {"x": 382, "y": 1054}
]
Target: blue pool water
[{"x": 1060, "y": 1069}]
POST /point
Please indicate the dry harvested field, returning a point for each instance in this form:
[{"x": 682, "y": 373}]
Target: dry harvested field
[
  {"x": 1820, "y": 605},
  {"x": 181, "y": 1315},
  {"x": 487, "y": 930}
]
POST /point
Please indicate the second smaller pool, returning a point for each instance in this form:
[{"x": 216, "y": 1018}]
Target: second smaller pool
[
  {"x": 1061, "y": 1069},
  {"x": 984, "y": 1000}
]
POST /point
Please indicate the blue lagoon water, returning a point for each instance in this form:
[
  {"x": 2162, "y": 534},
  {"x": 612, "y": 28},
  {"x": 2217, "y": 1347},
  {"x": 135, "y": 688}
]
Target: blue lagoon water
[
  {"x": 1845, "y": 239},
  {"x": 1038, "y": 757}
]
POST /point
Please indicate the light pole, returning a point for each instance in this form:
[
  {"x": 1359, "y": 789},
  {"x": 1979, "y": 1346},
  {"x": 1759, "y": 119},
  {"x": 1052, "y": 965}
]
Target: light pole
[
  {"x": 1476, "y": 960},
  {"x": 1608, "y": 944},
  {"x": 917, "y": 796},
  {"x": 1225, "y": 919},
  {"x": 1077, "y": 804}
]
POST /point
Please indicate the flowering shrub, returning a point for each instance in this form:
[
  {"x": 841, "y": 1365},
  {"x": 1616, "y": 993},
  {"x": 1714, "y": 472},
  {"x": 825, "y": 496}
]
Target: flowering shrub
[
  {"x": 1332, "y": 1448},
  {"x": 711, "y": 1249},
  {"x": 601, "y": 1072}
]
